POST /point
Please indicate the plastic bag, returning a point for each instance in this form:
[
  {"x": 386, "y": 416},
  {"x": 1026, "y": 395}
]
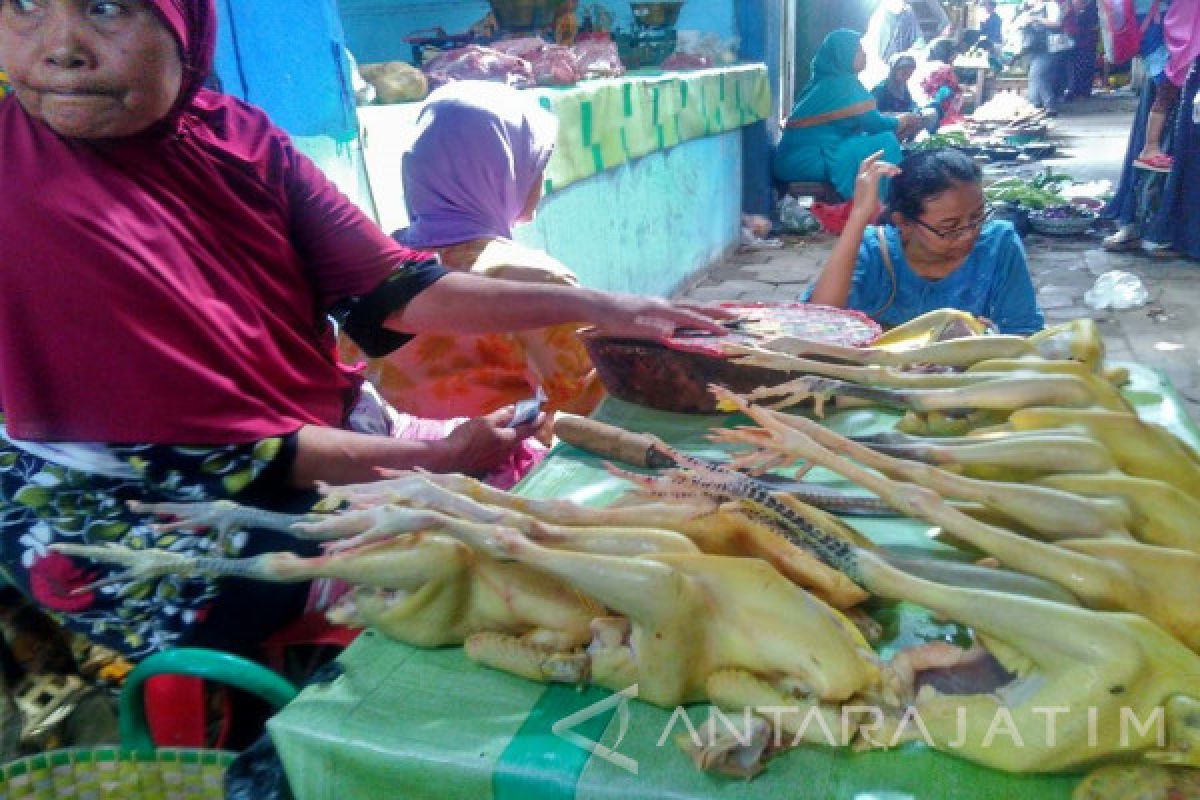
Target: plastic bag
[
  {"x": 1118, "y": 290},
  {"x": 709, "y": 46},
  {"x": 832, "y": 216},
  {"x": 597, "y": 58},
  {"x": 395, "y": 82},
  {"x": 475, "y": 63},
  {"x": 795, "y": 218}
]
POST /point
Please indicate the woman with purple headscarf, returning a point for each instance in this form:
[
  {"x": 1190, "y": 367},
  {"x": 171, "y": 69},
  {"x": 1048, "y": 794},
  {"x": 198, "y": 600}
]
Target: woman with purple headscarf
[
  {"x": 474, "y": 171},
  {"x": 168, "y": 262}
]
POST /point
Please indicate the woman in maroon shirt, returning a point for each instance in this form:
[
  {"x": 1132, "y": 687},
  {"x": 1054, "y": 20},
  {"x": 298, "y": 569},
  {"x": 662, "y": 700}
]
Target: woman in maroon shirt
[{"x": 168, "y": 265}]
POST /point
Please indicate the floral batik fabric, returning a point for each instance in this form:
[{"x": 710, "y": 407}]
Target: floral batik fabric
[{"x": 78, "y": 494}]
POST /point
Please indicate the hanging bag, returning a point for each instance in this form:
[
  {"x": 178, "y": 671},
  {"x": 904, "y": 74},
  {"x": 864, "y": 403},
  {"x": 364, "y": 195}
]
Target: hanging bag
[
  {"x": 1119, "y": 29},
  {"x": 1034, "y": 39}
]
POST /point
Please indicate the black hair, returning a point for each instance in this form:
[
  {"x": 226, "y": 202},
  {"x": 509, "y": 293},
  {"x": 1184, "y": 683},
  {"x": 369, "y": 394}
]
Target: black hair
[
  {"x": 928, "y": 173},
  {"x": 943, "y": 49}
]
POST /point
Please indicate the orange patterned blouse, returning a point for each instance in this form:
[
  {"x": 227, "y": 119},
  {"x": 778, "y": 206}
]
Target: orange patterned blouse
[{"x": 439, "y": 376}]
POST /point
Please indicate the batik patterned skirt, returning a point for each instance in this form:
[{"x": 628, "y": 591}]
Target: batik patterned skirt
[{"x": 79, "y": 494}]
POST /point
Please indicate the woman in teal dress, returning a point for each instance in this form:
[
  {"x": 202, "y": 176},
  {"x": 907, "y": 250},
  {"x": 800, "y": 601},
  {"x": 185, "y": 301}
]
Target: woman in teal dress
[{"x": 835, "y": 123}]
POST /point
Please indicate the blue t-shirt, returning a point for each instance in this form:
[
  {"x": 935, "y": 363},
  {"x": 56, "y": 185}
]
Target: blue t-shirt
[{"x": 993, "y": 282}]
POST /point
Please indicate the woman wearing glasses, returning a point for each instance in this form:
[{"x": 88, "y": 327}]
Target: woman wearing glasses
[{"x": 938, "y": 248}]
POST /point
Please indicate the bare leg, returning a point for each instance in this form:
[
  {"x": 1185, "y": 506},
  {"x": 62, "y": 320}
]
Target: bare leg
[{"x": 1154, "y": 131}]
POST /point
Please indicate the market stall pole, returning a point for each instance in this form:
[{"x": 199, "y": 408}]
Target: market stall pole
[
  {"x": 980, "y": 84},
  {"x": 403, "y": 721}
]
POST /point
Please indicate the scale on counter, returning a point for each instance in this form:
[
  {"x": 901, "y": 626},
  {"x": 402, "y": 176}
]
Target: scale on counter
[{"x": 653, "y": 36}]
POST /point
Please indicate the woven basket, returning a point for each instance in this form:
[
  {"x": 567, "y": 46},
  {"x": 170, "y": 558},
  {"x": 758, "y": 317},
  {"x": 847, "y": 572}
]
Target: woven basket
[
  {"x": 136, "y": 770},
  {"x": 1068, "y": 226},
  {"x": 115, "y": 774}
]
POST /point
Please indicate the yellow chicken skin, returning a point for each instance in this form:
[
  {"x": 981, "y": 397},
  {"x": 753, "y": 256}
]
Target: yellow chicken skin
[
  {"x": 711, "y": 525},
  {"x": 427, "y": 589},
  {"x": 530, "y": 609},
  {"x": 1102, "y": 391},
  {"x": 951, "y": 338},
  {"x": 1050, "y": 513},
  {"x": 1095, "y": 664},
  {"x": 999, "y": 457},
  {"x": 1140, "y": 448},
  {"x": 694, "y": 615},
  {"x": 1003, "y": 393},
  {"x": 1162, "y": 514},
  {"x": 1156, "y": 582}
]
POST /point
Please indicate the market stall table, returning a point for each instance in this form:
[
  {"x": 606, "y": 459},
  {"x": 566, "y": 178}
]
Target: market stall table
[{"x": 403, "y": 722}]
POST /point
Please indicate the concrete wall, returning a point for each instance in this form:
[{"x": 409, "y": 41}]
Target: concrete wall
[
  {"x": 645, "y": 227},
  {"x": 375, "y": 29}
]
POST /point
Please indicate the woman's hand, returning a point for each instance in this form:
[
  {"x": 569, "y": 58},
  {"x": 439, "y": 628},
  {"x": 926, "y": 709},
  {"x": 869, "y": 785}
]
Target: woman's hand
[
  {"x": 481, "y": 444},
  {"x": 637, "y": 317},
  {"x": 910, "y": 125},
  {"x": 866, "y": 187}
]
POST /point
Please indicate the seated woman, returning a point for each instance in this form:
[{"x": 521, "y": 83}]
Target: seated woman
[
  {"x": 945, "y": 97},
  {"x": 475, "y": 170},
  {"x": 892, "y": 95},
  {"x": 939, "y": 250},
  {"x": 835, "y": 124},
  {"x": 184, "y": 257},
  {"x": 935, "y": 84}
]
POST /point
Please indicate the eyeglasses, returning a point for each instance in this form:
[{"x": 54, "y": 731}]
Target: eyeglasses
[{"x": 962, "y": 232}]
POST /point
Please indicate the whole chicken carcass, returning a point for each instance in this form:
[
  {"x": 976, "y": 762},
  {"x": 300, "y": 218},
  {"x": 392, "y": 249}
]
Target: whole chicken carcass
[
  {"x": 1094, "y": 665},
  {"x": 519, "y": 606},
  {"x": 951, "y": 338},
  {"x": 429, "y": 588},
  {"x": 1104, "y": 573}
]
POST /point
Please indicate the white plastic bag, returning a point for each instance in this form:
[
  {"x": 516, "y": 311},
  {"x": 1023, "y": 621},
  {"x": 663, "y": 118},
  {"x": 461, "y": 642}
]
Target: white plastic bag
[{"x": 1118, "y": 290}]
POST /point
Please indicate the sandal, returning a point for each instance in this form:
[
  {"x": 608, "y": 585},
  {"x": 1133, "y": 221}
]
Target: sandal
[
  {"x": 1159, "y": 162},
  {"x": 1158, "y": 250},
  {"x": 1122, "y": 241},
  {"x": 44, "y": 702}
]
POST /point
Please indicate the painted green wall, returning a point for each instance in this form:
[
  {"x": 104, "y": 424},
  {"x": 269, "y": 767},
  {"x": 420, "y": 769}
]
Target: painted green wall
[{"x": 647, "y": 226}]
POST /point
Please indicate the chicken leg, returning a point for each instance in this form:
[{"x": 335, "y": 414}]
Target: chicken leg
[
  {"x": 1092, "y": 664},
  {"x": 1158, "y": 583}
]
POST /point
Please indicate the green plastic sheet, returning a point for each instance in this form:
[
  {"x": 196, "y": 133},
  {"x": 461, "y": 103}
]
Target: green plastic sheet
[{"x": 409, "y": 723}]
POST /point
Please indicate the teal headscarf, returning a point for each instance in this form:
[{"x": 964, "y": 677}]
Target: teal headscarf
[{"x": 834, "y": 83}]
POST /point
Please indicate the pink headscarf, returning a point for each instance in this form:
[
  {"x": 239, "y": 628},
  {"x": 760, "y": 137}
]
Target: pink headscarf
[
  {"x": 170, "y": 288},
  {"x": 1181, "y": 30},
  {"x": 194, "y": 25}
]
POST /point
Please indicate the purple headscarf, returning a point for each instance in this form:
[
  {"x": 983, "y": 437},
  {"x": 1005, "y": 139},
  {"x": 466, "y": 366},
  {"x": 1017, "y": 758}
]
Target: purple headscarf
[{"x": 480, "y": 150}]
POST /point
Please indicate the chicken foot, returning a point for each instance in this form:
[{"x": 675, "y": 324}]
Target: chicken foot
[
  {"x": 426, "y": 589},
  {"x": 1049, "y": 512}
]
